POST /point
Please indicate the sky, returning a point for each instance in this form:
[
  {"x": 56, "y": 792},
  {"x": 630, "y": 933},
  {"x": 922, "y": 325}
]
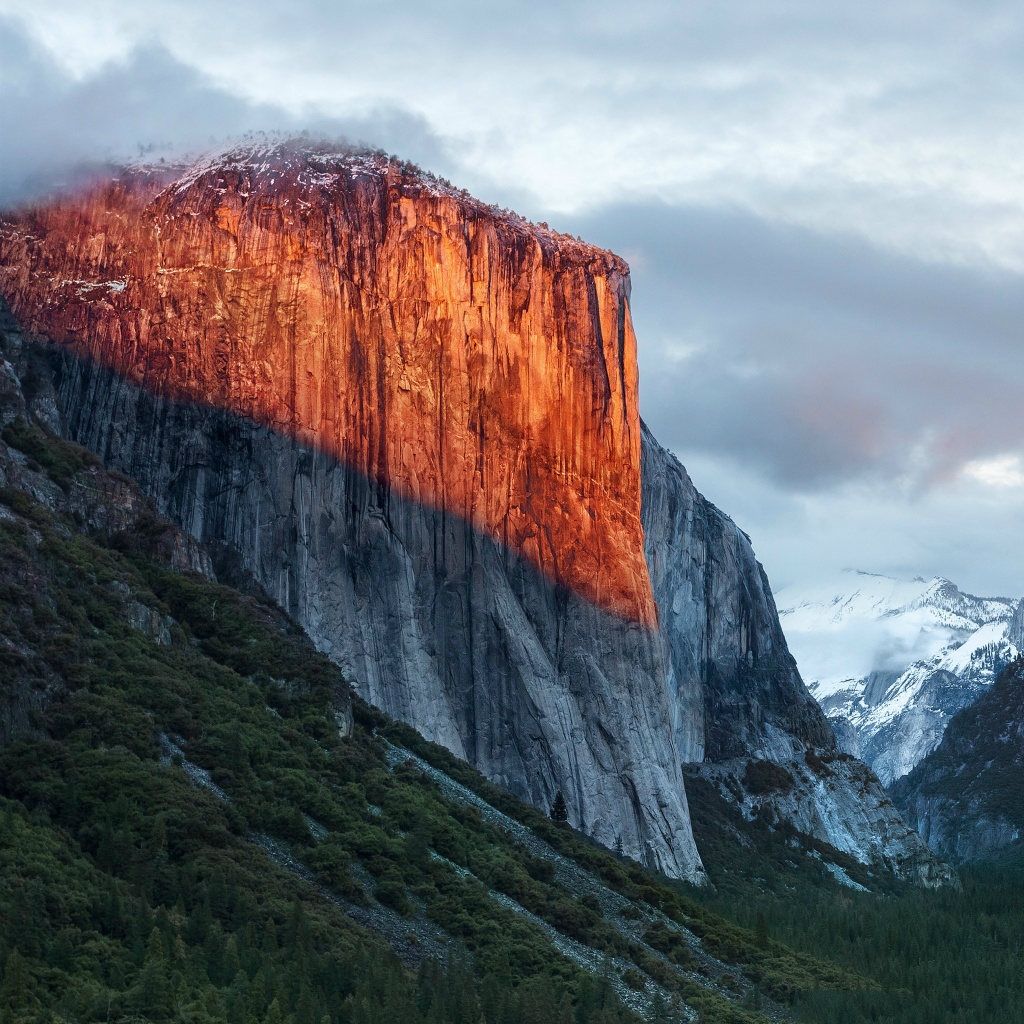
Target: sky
[{"x": 822, "y": 205}]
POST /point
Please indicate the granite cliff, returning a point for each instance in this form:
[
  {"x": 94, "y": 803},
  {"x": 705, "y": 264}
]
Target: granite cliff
[
  {"x": 743, "y": 719},
  {"x": 413, "y": 419}
]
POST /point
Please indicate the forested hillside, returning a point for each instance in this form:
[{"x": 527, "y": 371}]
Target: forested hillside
[
  {"x": 196, "y": 824},
  {"x": 967, "y": 797},
  {"x": 196, "y": 829}
]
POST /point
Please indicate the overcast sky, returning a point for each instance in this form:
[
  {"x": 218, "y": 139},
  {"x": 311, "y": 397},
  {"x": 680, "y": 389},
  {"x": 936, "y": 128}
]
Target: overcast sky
[{"x": 822, "y": 204}]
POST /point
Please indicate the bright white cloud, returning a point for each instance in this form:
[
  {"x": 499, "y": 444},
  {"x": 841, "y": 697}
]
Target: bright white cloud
[{"x": 1003, "y": 471}]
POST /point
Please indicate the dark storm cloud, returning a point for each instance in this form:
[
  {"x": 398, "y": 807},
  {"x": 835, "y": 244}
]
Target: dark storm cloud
[
  {"x": 55, "y": 127},
  {"x": 816, "y": 358}
]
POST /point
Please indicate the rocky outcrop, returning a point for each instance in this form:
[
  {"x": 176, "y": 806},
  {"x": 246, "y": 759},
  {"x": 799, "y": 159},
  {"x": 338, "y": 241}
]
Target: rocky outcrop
[
  {"x": 967, "y": 797},
  {"x": 432, "y": 620},
  {"x": 846, "y": 736},
  {"x": 40, "y": 471},
  {"x": 737, "y": 696},
  {"x": 1015, "y": 630}
]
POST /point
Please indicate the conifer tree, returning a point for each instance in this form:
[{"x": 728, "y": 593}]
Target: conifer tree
[{"x": 559, "y": 812}]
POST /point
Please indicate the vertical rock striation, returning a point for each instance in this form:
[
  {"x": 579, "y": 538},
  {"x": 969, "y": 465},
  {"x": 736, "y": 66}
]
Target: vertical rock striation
[
  {"x": 433, "y": 620},
  {"x": 736, "y": 687},
  {"x": 414, "y": 420}
]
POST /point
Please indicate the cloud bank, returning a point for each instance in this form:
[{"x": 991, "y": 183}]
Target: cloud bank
[
  {"x": 817, "y": 359},
  {"x": 58, "y": 127}
]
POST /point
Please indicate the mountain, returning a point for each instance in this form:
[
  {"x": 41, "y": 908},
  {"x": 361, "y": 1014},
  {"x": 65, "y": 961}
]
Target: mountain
[
  {"x": 966, "y": 798},
  {"x": 199, "y": 823},
  {"x": 412, "y": 419},
  {"x": 891, "y": 661}
]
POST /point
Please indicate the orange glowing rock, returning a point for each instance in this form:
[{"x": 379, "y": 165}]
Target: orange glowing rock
[{"x": 439, "y": 346}]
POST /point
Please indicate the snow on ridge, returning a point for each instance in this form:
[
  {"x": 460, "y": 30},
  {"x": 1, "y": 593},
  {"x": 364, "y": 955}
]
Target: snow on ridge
[
  {"x": 961, "y": 658},
  {"x": 313, "y": 162},
  {"x": 896, "y": 658}
]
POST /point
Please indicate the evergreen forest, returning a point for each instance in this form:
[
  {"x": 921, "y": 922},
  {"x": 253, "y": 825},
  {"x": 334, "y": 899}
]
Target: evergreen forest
[{"x": 199, "y": 824}]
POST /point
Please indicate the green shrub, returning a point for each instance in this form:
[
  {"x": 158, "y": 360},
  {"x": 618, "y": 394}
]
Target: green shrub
[{"x": 760, "y": 777}]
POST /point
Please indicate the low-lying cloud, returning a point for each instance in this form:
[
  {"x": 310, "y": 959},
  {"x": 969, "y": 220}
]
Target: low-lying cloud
[{"x": 56, "y": 127}]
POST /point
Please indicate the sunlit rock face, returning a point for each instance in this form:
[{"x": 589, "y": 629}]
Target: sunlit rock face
[{"x": 450, "y": 352}]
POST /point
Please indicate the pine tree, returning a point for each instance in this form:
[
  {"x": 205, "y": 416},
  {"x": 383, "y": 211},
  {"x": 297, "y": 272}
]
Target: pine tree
[
  {"x": 154, "y": 988},
  {"x": 14, "y": 991},
  {"x": 761, "y": 930},
  {"x": 559, "y": 812}
]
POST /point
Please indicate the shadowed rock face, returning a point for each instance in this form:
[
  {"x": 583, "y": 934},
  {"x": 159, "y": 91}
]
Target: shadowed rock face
[
  {"x": 736, "y": 687},
  {"x": 736, "y": 693},
  {"x": 414, "y": 420},
  {"x": 90, "y": 500},
  {"x": 434, "y": 622}
]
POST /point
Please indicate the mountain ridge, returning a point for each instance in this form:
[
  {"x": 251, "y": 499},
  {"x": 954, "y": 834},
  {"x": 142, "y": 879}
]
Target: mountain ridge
[{"x": 965, "y": 796}]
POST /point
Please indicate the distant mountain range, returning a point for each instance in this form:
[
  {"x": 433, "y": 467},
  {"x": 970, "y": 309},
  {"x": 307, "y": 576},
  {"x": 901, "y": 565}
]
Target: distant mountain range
[{"x": 891, "y": 661}]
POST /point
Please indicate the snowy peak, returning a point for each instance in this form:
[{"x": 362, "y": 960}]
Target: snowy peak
[
  {"x": 895, "y": 658},
  {"x": 868, "y": 596}
]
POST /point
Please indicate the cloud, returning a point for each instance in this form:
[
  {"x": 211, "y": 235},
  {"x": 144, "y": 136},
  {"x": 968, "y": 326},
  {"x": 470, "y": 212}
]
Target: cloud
[
  {"x": 967, "y": 532},
  {"x": 816, "y": 359},
  {"x": 898, "y": 121},
  {"x": 1001, "y": 471},
  {"x": 57, "y": 127}
]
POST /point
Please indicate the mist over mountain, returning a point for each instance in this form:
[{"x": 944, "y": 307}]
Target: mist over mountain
[{"x": 891, "y": 661}]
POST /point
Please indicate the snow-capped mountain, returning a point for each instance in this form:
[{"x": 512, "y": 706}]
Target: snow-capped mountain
[{"x": 890, "y": 660}]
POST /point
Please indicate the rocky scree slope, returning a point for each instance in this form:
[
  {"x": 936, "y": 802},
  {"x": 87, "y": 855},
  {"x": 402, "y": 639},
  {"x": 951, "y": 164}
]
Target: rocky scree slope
[
  {"x": 966, "y": 798},
  {"x": 891, "y": 661},
  {"x": 412, "y": 419}
]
